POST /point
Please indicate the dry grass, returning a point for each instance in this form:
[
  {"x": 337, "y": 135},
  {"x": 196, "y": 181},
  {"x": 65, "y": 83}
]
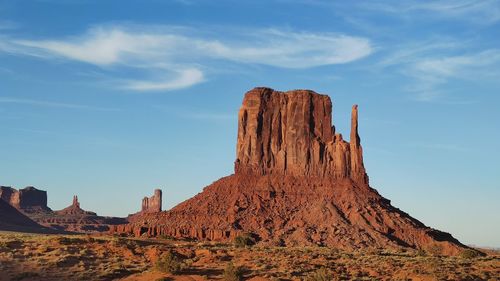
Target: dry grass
[{"x": 81, "y": 257}]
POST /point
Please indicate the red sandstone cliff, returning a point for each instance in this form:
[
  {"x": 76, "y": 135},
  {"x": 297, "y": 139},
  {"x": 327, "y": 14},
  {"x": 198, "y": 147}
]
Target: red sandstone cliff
[
  {"x": 292, "y": 134},
  {"x": 296, "y": 182}
]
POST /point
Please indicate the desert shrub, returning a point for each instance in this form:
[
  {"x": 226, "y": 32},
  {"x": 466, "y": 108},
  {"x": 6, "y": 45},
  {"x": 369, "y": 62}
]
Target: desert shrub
[
  {"x": 166, "y": 237},
  {"x": 243, "y": 240},
  {"x": 232, "y": 273},
  {"x": 321, "y": 274},
  {"x": 469, "y": 254},
  {"x": 24, "y": 275},
  {"x": 64, "y": 240},
  {"x": 435, "y": 250},
  {"x": 421, "y": 253},
  {"x": 169, "y": 263}
]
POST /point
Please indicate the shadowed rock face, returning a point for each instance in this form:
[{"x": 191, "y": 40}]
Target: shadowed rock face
[
  {"x": 11, "y": 219},
  {"x": 296, "y": 182},
  {"x": 291, "y": 133},
  {"x": 28, "y": 199}
]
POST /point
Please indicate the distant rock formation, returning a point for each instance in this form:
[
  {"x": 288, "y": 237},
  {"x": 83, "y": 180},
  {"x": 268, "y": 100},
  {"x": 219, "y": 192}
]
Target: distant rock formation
[
  {"x": 74, "y": 218},
  {"x": 28, "y": 199},
  {"x": 152, "y": 204},
  {"x": 32, "y": 202},
  {"x": 75, "y": 210}
]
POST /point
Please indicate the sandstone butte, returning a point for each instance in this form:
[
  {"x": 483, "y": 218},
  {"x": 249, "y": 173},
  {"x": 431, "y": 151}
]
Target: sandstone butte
[{"x": 297, "y": 182}]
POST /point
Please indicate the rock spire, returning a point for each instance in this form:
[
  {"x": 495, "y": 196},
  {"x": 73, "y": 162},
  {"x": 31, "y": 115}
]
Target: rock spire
[{"x": 152, "y": 204}]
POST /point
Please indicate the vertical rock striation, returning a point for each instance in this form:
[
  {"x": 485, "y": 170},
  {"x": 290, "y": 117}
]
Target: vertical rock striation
[{"x": 291, "y": 133}]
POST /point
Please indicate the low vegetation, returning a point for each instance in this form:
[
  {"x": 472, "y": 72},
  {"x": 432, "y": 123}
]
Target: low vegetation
[
  {"x": 169, "y": 263},
  {"x": 26, "y": 257},
  {"x": 321, "y": 274},
  {"x": 244, "y": 240},
  {"x": 469, "y": 254},
  {"x": 232, "y": 273}
]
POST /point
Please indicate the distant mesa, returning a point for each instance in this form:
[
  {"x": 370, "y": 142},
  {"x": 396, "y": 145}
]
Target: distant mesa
[
  {"x": 28, "y": 199},
  {"x": 296, "y": 182}
]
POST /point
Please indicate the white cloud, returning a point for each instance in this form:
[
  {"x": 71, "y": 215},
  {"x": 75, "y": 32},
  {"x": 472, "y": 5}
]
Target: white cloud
[
  {"x": 106, "y": 46},
  {"x": 184, "y": 79},
  {"x": 179, "y": 52},
  {"x": 431, "y": 72},
  {"x": 291, "y": 50},
  {"x": 433, "y": 63},
  {"x": 457, "y": 66}
]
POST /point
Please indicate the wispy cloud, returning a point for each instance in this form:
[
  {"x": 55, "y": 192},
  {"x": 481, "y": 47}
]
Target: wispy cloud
[
  {"x": 180, "y": 53},
  {"x": 32, "y": 102},
  {"x": 431, "y": 72},
  {"x": 433, "y": 63},
  {"x": 455, "y": 66},
  {"x": 484, "y": 11},
  {"x": 185, "y": 78}
]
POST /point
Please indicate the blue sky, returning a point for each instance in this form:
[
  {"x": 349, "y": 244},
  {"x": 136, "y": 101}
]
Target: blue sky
[{"x": 111, "y": 99}]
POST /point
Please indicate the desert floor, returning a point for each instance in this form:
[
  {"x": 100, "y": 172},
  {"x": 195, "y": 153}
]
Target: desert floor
[{"x": 96, "y": 257}]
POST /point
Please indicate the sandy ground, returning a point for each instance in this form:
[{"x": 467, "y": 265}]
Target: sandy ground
[{"x": 85, "y": 257}]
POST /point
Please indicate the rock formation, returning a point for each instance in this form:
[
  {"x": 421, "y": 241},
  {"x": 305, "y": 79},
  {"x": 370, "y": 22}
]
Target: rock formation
[
  {"x": 28, "y": 200},
  {"x": 32, "y": 203},
  {"x": 296, "y": 182},
  {"x": 292, "y": 134},
  {"x": 75, "y": 210},
  {"x": 74, "y": 218},
  {"x": 152, "y": 204}
]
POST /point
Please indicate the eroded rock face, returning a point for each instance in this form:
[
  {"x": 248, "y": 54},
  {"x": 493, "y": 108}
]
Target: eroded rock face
[
  {"x": 152, "y": 204},
  {"x": 291, "y": 133},
  {"x": 28, "y": 199}
]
